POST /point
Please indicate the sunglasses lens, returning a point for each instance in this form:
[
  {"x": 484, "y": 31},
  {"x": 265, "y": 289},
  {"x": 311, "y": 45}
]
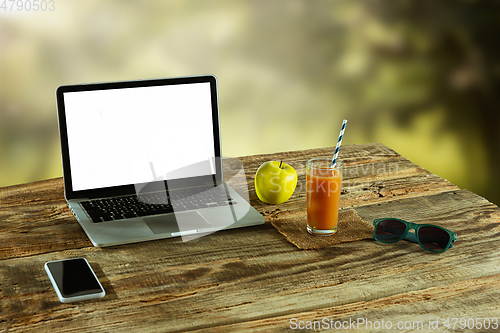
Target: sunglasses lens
[
  {"x": 433, "y": 238},
  {"x": 389, "y": 230}
]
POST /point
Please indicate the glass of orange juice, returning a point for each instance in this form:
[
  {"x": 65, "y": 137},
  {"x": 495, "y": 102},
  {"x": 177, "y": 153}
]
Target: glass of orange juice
[{"x": 323, "y": 184}]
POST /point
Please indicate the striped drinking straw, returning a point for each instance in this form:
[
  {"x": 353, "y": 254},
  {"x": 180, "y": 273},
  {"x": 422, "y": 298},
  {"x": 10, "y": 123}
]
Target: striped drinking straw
[{"x": 339, "y": 142}]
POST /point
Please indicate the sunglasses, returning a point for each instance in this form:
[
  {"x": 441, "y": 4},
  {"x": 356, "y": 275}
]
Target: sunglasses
[{"x": 430, "y": 237}]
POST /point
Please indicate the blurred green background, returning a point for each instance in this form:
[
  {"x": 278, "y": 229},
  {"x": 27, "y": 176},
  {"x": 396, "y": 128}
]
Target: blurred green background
[{"x": 419, "y": 76}]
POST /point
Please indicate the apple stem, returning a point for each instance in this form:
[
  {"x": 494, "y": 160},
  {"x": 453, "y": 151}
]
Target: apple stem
[{"x": 281, "y": 162}]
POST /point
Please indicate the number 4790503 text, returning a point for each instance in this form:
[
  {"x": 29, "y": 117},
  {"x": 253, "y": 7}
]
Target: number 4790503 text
[{"x": 27, "y": 5}]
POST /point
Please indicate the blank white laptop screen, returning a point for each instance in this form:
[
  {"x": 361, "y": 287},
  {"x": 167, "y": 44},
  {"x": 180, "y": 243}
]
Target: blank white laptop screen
[{"x": 137, "y": 135}]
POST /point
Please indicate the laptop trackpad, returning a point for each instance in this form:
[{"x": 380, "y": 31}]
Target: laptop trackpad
[{"x": 170, "y": 223}]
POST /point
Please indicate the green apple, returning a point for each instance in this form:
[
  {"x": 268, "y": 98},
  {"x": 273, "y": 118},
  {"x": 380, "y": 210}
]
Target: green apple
[{"x": 275, "y": 182}]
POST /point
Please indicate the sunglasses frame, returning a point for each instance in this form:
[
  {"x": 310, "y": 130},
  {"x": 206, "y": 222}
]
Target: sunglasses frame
[{"x": 412, "y": 236}]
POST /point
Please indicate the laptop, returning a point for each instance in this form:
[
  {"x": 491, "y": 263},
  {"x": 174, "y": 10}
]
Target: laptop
[{"x": 142, "y": 161}]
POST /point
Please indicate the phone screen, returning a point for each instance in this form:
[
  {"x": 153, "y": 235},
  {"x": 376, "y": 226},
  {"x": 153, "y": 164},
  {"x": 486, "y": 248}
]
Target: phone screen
[{"x": 74, "y": 277}]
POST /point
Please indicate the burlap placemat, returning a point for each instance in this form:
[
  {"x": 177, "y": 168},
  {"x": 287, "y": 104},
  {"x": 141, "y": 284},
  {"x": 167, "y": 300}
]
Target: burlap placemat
[{"x": 293, "y": 226}]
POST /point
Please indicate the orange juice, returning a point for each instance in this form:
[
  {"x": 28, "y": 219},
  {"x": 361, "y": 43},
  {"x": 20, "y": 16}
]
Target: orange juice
[{"x": 323, "y": 196}]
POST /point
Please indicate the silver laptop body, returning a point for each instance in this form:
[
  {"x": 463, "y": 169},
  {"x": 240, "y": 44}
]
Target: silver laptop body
[{"x": 148, "y": 144}]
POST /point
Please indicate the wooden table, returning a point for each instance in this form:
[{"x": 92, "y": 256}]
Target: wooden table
[{"x": 253, "y": 279}]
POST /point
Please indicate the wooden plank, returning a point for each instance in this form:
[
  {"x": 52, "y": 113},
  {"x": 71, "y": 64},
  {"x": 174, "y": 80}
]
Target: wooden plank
[
  {"x": 372, "y": 173},
  {"x": 34, "y": 218},
  {"x": 447, "y": 308},
  {"x": 46, "y": 227},
  {"x": 39, "y": 227},
  {"x": 250, "y": 275},
  {"x": 52, "y": 189},
  {"x": 349, "y": 154},
  {"x": 27, "y": 194},
  {"x": 377, "y": 183}
]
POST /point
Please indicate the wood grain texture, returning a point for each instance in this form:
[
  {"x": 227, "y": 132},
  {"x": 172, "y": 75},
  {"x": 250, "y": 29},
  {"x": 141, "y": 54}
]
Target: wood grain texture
[{"x": 252, "y": 279}]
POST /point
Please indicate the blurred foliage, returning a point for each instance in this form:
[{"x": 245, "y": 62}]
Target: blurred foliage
[{"x": 419, "y": 76}]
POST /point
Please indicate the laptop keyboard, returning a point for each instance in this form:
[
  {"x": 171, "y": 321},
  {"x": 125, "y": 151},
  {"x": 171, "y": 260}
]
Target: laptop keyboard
[{"x": 118, "y": 208}]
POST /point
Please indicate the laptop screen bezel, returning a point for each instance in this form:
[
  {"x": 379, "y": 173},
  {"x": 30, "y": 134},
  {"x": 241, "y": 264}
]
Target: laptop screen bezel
[{"x": 131, "y": 188}]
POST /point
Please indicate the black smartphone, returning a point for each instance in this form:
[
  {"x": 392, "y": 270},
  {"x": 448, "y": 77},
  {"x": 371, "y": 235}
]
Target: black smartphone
[{"x": 74, "y": 280}]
